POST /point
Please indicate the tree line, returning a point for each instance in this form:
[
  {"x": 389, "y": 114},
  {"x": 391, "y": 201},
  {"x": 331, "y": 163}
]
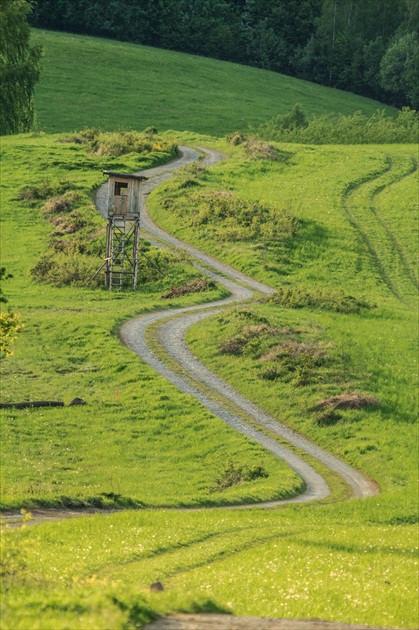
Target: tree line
[{"x": 369, "y": 47}]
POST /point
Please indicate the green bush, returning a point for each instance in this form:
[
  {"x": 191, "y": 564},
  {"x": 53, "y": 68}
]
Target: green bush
[
  {"x": 66, "y": 268},
  {"x": 157, "y": 263},
  {"x": 237, "y": 343},
  {"x": 356, "y": 128},
  {"x": 293, "y": 361},
  {"x": 231, "y": 474}
]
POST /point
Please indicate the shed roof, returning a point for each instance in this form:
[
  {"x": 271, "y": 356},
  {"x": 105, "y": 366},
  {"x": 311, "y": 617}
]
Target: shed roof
[{"x": 124, "y": 175}]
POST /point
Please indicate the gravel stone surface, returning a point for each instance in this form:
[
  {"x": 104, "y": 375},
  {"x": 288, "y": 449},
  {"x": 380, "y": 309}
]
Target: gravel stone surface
[{"x": 228, "y": 622}]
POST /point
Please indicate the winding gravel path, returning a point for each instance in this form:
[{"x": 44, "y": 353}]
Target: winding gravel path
[
  {"x": 171, "y": 337},
  {"x": 192, "y": 373}
]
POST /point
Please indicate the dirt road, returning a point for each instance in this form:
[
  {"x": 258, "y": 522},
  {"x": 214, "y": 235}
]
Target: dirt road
[{"x": 192, "y": 372}]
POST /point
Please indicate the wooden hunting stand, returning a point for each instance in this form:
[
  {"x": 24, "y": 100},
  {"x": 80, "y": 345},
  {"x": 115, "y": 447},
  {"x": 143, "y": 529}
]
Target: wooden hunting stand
[{"x": 123, "y": 231}]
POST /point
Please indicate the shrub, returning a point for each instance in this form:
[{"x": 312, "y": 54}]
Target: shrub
[
  {"x": 156, "y": 263},
  {"x": 237, "y": 343},
  {"x": 297, "y": 297},
  {"x": 190, "y": 176},
  {"x": 293, "y": 361},
  {"x": 241, "y": 313},
  {"x": 236, "y": 138},
  {"x": 66, "y": 268},
  {"x": 150, "y": 131},
  {"x": 10, "y": 328},
  {"x": 231, "y": 474},
  {"x": 352, "y": 129}
]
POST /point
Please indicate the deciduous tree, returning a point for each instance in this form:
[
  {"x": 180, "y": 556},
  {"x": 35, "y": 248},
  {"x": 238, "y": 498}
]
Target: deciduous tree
[
  {"x": 10, "y": 323},
  {"x": 19, "y": 67}
]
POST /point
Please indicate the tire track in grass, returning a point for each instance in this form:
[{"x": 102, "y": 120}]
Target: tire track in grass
[
  {"x": 396, "y": 243},
  {"x": 380, "y": 242}
]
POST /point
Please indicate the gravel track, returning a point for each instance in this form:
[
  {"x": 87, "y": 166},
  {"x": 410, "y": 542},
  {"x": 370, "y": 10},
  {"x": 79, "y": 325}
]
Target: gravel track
[
  {"x": 229, "y": 622},
  {"x": 171, "y": 337}
]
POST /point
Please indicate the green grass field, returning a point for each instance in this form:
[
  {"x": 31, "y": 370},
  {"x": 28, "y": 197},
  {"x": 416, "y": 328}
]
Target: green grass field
[
  {"x": 353, "y": 234},
  {"x": 70, "y": 348},
  {"x": 87, "y": 81}
]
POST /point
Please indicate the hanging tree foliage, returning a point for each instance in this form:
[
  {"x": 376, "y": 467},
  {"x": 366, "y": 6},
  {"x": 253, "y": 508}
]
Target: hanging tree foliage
[
  {"x": 10, "y": 323},
  {"x": 19, "y": 67}
]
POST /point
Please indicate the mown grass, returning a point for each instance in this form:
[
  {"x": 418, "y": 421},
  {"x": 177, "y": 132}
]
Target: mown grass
[
  {"x": 351, "y": 561},
  {"x": 289, "y": 563},
  {"x": 88, "y": 81}
]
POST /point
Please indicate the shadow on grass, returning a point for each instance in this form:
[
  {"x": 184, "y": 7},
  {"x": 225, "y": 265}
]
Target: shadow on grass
[{"x": 295, "y": 251}]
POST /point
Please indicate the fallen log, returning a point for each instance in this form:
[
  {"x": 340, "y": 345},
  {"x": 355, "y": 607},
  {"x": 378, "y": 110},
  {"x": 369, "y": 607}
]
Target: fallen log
[{"x": 35, "y": 403}]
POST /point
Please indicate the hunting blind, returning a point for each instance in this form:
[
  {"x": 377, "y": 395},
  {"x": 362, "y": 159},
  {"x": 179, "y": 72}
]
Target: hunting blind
[{"x": 123, "y": 231}]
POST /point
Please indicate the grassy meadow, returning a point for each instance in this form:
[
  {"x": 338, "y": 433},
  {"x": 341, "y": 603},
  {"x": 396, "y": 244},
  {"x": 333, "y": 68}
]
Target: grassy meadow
[
  {"x": 70, "y": 348},
  {"x": 333, "y": 229},
  {"x": 87, "y": 81}
]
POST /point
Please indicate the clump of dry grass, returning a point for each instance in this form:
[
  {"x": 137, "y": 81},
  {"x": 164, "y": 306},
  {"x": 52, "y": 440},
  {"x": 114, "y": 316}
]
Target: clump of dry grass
[
  {"x": 258, "y": 150},
  {"x": 349, "y": 400},
  {"x": 33, "y": 193},
  {"x": 68, "y": 224},
  {"x": 294, "y": 348},
  {"x": 58, "y": 205},
  {"x": 235, "y": 344},
  {"x": 294, "y": 296},
  {"x": 328, "y": 409},
  {"x": 196, "y": 285}
]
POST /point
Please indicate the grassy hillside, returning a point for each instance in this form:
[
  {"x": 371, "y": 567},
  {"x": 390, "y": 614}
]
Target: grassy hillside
[
  {"x": 70, "y": 348},
  {"x": 88, "y": 81},
  {"x": 347, "y": 290},
  {"x": 334, "y": 230},
  {"x": 352, "y": 561}
]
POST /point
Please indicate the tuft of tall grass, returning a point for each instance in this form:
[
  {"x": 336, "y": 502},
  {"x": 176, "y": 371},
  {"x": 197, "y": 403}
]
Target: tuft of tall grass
[{"x": 293, "y": 296}]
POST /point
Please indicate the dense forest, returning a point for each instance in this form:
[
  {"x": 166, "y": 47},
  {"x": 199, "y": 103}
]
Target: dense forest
[{"x": 369, "y": 47}]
